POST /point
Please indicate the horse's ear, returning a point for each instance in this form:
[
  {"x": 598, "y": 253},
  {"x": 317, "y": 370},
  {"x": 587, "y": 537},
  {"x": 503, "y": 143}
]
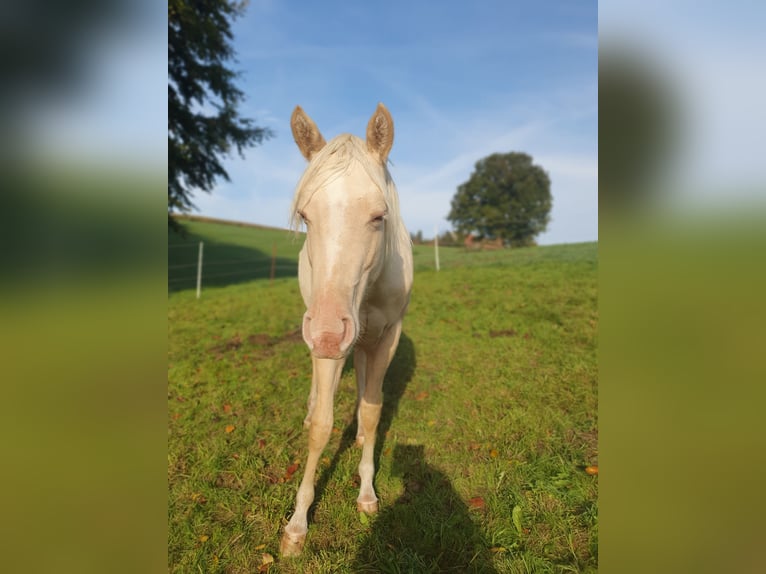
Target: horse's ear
[
  {"x": 306, "y": 133},
  {"x": 380, "y": 133}
]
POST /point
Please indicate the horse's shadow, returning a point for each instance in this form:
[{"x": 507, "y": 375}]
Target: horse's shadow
[
  {"x": 395, "y": 382},
  {"x": 427, "y": 529}
]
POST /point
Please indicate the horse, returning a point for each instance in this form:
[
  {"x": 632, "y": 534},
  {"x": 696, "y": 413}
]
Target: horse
[{"x": 355, "y": 276}]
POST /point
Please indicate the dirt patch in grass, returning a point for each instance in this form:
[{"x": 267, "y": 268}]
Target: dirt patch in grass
[
  {"x": 261, "y": 343},
  {"x": 228, "y": 480},
  {"x": 503, "y": 333},
  {"x": 585, "y": 440}
]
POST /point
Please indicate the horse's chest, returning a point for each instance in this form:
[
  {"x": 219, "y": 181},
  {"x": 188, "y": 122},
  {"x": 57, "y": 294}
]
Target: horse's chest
[{"x": 372, "y": 323}]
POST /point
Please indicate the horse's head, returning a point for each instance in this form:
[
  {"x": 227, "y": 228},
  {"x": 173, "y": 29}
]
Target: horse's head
[{"x": 348, "y": 204}]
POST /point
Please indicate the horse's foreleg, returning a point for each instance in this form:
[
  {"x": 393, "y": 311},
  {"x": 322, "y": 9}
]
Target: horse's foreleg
[
  {"x": 312, "y": 400},
  {"x": 360, "y": 366},
  {"x": 370, "y": 407},
  {"x": 326, "y": 376}
]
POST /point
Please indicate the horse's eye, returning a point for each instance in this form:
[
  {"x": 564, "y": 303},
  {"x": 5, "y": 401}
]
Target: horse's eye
[
  {"x": 378, "y": 218},
  {"x": 303, "y": 217}
]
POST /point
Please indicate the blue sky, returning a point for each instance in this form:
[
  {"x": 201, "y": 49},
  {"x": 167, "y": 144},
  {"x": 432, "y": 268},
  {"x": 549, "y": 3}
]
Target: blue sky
[{"x": 461, "y": 79}]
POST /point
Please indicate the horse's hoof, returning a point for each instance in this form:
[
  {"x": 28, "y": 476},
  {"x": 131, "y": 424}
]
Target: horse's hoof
[
  {"x": 291, "y": 545},
  {"x": 367, "y": 507}
]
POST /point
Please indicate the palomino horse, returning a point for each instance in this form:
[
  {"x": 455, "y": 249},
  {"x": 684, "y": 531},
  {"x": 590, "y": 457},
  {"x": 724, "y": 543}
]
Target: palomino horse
[{"x": 355, "y": 274}]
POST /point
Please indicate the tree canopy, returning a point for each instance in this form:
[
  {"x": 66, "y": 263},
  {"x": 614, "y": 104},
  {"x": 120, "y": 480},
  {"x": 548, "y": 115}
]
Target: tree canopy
[
  {"x": 204, "y": 124},
  {"x": 507, "y": 197}
]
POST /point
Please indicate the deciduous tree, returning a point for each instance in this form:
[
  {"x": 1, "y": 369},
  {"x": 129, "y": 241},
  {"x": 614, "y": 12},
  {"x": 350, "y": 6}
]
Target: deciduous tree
[{"x": 507, "y": 197}]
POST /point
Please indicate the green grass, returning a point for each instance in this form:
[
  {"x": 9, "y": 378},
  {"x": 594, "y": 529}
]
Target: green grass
[{"x": 490, "y": 417}]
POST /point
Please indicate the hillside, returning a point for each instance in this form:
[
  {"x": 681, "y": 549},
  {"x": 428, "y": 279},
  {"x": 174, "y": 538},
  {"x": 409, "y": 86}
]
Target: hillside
[
  {"x": 489, "y": 419},
  {"x": 238, "y": 252}
]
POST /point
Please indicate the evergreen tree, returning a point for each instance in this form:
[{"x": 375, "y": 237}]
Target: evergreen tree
[{"x": 199, "y": 80}]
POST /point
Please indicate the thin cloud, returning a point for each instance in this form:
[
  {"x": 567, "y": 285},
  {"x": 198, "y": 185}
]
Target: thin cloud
[{"x": 460, "y": 89}]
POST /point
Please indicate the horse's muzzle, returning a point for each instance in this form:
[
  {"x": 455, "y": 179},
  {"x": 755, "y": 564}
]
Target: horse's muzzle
[{"x": 329, "y": 339}]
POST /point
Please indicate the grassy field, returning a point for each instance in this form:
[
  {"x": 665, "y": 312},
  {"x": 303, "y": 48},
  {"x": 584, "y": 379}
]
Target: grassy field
[{"x": 489, "y": 421}]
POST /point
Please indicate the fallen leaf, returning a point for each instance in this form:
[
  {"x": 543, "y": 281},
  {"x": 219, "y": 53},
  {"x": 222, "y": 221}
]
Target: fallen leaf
[
  {"x": 235, "y": 456},
  {"x": 493, "y": 453},
  {"x": 227, "y": 408},
  {"x": 498, "y": 549},
  {"x": 204, "y": 538},
  {"x": 175, "y": 416},
  {"x": 229, "y": 428},
  {"x": 364, "y": 519},
  {"x": 421, "y": 395},
  {"x": 291, "y": 471},
  {"x": 266, "y": 561},
  {"x": 592, "y": 470},
  {"x": 198, "y": 498},
  {"x": 261, "y": 443},
  {"x": 260, "y": 547},
  {"x": 431, "y": 423},
  {"x": 476, "y": 502}
]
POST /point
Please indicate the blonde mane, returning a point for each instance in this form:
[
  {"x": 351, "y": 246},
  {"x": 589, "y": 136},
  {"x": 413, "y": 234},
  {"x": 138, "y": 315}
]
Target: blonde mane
[{"x": 332, "y": 161}]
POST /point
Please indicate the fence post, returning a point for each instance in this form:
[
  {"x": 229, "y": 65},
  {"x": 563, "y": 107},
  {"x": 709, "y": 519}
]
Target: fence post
[
  {"x": 199, "y": 270},
  {"x": 436, "y": 246}
]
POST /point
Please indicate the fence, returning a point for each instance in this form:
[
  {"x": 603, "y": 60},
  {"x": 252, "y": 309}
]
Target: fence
[{"x": 201, "y": 264}]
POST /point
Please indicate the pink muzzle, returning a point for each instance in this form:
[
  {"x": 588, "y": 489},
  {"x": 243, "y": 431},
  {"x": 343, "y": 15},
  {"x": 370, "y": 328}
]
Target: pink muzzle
[{"x": 328, "y": 337}]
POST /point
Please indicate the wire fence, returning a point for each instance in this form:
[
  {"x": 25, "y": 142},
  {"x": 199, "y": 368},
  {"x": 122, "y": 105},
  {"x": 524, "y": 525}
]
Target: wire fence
[
  {"x": 201, "y": 265},
  {"x": 198, "y": 264}
]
